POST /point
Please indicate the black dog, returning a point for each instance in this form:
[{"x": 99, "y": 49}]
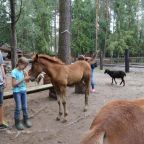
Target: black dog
[{"x": 116, "y": 74}]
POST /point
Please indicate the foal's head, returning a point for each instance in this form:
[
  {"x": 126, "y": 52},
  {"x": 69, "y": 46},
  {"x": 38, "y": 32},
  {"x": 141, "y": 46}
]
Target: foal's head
[
  {"x": 36, "y": 68},
  {"x": 40, "y": 64}
]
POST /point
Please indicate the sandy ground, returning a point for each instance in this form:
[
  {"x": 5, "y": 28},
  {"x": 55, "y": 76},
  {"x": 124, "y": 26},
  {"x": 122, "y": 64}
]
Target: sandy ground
[{"x": 46, "y": 130}]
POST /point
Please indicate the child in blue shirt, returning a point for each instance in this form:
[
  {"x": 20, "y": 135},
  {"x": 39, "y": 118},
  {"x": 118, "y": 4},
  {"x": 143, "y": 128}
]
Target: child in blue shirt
[{"x": 19, "y": 77}]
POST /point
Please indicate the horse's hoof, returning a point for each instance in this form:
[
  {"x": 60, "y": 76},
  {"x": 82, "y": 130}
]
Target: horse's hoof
[
  {"x": 58, "y": 118},
  {"x": 66, "y": 114},
  {"x": 64, "y": 120},
  {"x": 85, "y": 109}
]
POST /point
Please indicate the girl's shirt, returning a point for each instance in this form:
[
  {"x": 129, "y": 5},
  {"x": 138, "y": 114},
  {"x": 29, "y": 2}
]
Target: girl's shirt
[
  {"x": 94, "y": 65},
  {"x": 18, "y": 75}
]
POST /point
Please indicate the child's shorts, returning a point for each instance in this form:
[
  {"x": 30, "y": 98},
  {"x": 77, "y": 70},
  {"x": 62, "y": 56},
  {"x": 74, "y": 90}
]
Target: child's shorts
[{"x": 1, "y": 94}]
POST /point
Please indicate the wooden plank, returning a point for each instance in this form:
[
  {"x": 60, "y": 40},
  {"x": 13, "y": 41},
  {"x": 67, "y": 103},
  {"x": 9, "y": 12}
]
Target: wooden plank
[{"x": 30, "y": 90}]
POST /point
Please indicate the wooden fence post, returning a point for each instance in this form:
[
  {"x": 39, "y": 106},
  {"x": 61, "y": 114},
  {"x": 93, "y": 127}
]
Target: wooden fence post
[{"x": 126, "y": 60}]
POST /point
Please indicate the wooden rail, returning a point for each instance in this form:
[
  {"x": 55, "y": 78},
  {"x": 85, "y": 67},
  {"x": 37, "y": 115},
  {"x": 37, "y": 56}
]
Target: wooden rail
[{"x": 30, "y": 90}]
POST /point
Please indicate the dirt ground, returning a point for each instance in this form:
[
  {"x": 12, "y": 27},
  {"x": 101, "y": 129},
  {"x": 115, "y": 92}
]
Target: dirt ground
[{"x": 43, "y": 112}]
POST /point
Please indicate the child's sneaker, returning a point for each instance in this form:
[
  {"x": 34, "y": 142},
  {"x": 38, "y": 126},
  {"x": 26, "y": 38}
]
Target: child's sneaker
[{"x": 93, "y": 90}]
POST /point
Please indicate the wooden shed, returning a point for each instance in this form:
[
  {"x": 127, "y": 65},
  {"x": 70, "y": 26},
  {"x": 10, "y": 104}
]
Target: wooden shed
[{"x": 6, "y": 51}]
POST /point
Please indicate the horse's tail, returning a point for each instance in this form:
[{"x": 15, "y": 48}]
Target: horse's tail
[{"x": 93, "y": 136}]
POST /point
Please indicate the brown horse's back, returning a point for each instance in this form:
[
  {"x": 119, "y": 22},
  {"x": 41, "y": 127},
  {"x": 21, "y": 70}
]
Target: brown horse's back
[
  {"x": 80, "y": 70},
  {"x": 80, "y": 64},
  {"x": 119, "y": 122}
]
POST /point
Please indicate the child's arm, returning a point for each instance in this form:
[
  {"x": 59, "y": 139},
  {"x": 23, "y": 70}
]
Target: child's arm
[{"x": 16, "y": 83}]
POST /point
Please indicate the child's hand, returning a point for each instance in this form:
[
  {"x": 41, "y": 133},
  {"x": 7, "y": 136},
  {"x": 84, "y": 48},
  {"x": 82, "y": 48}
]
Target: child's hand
[{"x": 26, "y": 76}]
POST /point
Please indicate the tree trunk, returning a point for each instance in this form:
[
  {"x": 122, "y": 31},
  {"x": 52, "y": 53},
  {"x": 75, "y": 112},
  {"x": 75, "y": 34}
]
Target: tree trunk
[
  {"x": 101, "y": 60},
  {"x": 52, "y": 92},
  {"x": 127, "y": 60},
  {"x": 80, "y": 88},
  {"x": 55, "y": 29},
  {"x": 13, "y": 33},
  {"x": 106, "y": 15},
  {"x": 97, "y": 25},
  {"x": 64, "y": 52}
]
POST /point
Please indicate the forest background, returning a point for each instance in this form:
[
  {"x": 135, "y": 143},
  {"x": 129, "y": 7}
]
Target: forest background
[{"x": 107, "y": 25}]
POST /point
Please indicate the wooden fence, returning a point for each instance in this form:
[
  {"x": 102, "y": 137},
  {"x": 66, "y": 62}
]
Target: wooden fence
[
  {"x": 132, "y": 60},
  {"x": 30, "y": 90}
]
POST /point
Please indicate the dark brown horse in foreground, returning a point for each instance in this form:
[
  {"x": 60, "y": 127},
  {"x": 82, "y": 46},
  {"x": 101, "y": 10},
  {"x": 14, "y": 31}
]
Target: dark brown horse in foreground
[
  {"x": 62, "y": 75},
  {"x": 119, "y": 122}
]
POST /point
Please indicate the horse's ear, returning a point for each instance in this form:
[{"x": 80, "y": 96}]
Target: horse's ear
[{"x": 36, "y": 56}]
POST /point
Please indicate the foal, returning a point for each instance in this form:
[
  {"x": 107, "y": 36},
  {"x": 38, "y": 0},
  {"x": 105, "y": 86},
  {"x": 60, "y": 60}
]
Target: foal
[{"x": 61, "y": 76}]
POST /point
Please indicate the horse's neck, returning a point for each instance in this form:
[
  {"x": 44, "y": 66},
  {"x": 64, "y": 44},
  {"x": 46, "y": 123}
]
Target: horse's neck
[{"x": 48, "y": 66}]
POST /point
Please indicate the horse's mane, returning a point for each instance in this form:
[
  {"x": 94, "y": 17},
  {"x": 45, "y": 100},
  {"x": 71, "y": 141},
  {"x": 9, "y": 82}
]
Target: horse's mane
[{"x": 51, "y": 59}]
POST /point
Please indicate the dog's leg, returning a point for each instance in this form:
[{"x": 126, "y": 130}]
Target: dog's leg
[
  {"x": 112, "y": 81},
  {"x": 115, "y": 81},
  {"x": 123, "y": 81}
]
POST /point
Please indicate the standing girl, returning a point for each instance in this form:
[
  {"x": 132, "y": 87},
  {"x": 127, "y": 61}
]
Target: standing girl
[
  {"x": 19, "y": 76},
  {"x": 92, "y": 78}
]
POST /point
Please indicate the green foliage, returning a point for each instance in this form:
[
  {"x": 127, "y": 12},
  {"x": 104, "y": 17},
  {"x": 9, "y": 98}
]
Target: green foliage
[
  {"x": 35, "y": 28},
  {"x": 126, "y": 32},
  {"x": 4, "y": 26},
  {"x": 83, "y": 26}
]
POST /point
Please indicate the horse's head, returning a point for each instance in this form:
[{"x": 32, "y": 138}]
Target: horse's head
[{"x": 36, "y": 68}]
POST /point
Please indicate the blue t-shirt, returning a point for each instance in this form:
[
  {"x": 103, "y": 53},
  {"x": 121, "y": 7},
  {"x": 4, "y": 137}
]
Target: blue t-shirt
[{"x": 18, "y": 75}]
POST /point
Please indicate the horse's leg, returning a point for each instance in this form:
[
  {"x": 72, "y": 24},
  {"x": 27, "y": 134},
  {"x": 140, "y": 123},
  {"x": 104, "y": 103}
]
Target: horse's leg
[
  {"x": 60, "y": 109},
  {"x": 63, "y": 98},
  {"x": 86, "y": 95},
  {"x": 65, "y": 108}
]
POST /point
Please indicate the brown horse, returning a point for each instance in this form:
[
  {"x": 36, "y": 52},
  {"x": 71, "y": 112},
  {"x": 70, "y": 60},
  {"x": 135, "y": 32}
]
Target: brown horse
[
  {"x": 62, "y": 75},
  {"x": 119, "y": 122}
]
